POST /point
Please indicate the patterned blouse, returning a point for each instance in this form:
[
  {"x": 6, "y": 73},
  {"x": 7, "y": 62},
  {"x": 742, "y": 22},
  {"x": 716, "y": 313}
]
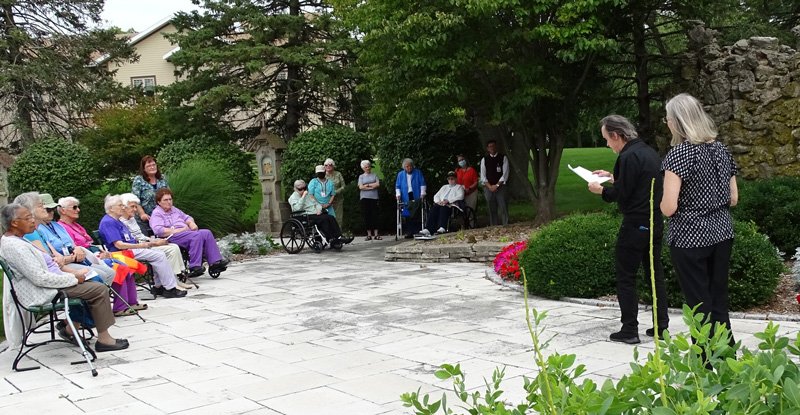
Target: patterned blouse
[
  {"x": 146, "y": 192},
  {"x": 703, "y": 217}
]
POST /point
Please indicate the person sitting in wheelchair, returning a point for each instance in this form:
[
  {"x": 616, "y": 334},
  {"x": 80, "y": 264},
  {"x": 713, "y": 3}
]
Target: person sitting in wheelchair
[
  {"x": 450, "y": 196},
  {"x": 303, "y": 202}
]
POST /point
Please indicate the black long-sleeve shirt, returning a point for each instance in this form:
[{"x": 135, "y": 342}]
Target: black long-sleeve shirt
[{"x": 636, "y": 166}]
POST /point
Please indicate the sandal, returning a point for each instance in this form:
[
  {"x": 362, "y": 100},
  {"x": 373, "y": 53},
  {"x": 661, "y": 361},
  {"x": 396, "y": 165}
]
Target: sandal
[
  {"x": 125, "y": 312},
  {"x": 368, "y": 238},
  {"x": 378, "y": 237},
  {"x": 62, "y": 332},
  {"x": 139, "y": 307}
]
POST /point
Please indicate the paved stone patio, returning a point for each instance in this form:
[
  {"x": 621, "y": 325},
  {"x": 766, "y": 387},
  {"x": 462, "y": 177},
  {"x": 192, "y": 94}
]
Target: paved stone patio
[{"x": 334, "y": 333}]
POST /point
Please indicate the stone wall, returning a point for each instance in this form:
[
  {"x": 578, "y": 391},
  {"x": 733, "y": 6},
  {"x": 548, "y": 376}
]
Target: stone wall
[
  {"x": 752, "y": 90},
  {"x": 431, "y": 252}
]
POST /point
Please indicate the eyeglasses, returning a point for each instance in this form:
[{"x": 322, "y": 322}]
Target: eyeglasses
[
  {"x": 75, "y": 207},
  {"x": 329, "y": 165},
  {"x": 50, "y": 210}
]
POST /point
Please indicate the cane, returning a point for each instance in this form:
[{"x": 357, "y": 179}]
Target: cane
[{"x": 79, "y": 339}]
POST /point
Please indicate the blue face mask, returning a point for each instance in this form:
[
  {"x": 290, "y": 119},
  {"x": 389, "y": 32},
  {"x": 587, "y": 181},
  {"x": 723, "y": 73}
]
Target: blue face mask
[{"x": 462, "y": 163}]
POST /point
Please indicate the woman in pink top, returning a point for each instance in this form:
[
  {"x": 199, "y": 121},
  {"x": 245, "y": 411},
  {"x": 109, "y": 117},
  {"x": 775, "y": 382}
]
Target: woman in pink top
[
  {"x": 167, "y": 221},
  {"x": 69, "y": 211}
]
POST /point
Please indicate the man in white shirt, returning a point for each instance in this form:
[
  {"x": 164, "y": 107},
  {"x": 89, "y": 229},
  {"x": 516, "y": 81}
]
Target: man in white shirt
[{"x": 450, "y": 194}]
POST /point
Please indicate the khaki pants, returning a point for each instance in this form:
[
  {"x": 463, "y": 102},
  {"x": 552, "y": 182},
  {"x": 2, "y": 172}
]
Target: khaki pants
[{"x": 96, "y": 296}]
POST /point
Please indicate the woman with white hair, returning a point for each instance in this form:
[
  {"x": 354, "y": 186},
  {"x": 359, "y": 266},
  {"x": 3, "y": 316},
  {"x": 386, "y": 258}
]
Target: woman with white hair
[
  {"x": 368, "y": 184},
  {"x": 338, "y": 187},
  {"x": 38, "y": 277},
  {"x": 699, "y": 189},
  {"x": 117, "y": 237},
  {"x": 172, "y": 251},
  {"x": 303, "y": 201},
  {"x": 69, "y": 211}
]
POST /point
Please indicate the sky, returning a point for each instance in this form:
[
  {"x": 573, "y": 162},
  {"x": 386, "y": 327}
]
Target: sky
[{"x": 141, "y": 14}]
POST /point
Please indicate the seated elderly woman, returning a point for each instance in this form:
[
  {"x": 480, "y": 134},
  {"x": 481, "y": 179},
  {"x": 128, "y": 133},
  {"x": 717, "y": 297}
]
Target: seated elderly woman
[
  {"x": 302, "y": 201},
  {"x": 68, "y": 212},
  {"x": 118, "y": 238},
  {"x": 51, "y": 238},
  {"x": 40, "y": 278},
  {"x": 172, "y": 251},
  {"x": 443, "y": 201},
  {"x": 167, "y": 221}
]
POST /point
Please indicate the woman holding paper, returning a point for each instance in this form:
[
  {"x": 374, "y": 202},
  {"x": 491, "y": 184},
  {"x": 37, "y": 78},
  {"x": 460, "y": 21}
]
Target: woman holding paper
[
  {"x": 699, "y": 189},
  {"x": 636, "y": 167}
]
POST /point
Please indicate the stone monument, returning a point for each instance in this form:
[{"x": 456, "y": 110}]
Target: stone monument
[{"x": 268, "y": 149}]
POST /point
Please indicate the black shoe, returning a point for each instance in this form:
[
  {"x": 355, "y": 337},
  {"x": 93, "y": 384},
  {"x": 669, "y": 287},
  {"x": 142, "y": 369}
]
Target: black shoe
[
  {"x": 120, "y": 344},
  {"x": 156, "y": 291},
  {"x": 624, "y": 337},
  {"x": 651, "y": 332},
  {"x": 195, "y": 272},
  {"x": 409, "y": 236},
  {"x": 173, "y": 293},
  {"x": 219, "y": 266}
]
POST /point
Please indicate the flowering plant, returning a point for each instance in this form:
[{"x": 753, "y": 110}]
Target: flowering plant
[{"x": 506, "y": 263}]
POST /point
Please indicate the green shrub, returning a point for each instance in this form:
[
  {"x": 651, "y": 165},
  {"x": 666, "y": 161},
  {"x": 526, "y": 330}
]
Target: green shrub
[
  {"x": 2, "y": 327},
  {"x": 92, "y": 205},
  {"x": 227, "y": 156},
  {"x": 54, "y": 166},
  {"x": 774, "y": 205},
  {"x": 433, "y": 148},
  {"x": 573, "y": 257},
  {"x": 205, "y": 190},
  {"x": 310, "y": 148}
]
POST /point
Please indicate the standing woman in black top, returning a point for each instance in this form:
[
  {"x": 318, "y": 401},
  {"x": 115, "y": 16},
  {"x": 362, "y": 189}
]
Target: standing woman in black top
[
  {"x": 699, "y": 189},
  {"x": 636, "y": 168}
]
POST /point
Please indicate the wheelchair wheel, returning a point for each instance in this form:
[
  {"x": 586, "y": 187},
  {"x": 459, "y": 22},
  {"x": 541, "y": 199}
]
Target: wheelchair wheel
[{"x": 293, "y": 236}]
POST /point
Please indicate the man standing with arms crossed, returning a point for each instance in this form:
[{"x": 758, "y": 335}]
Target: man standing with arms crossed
[
  {"x": 637, "y": 165},
  {"x": 494, "y": 176}
]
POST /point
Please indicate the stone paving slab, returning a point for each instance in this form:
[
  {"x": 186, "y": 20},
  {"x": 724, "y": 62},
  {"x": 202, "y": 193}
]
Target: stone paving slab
[{"x": 330, "y": 333}]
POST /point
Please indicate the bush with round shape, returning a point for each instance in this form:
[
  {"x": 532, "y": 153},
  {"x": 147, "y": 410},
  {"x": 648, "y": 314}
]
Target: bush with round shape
[
  {"x": 433, "y": 149},
  {"x": 310, "y": 148},
  {"x": 205, "y": 190},
  {"x": 572, "y": 257},
  {"x": 229, "y": 157},
  {"x": 774, "y": 205},
  {"x": 54, "y": 166}
]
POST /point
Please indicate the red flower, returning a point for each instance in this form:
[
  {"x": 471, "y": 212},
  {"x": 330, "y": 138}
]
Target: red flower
[
  {"x": 506, "y": 263},
  {"x": 798, "y": 298}
]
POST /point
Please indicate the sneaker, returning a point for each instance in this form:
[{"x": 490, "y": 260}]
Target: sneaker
[
  {"x": 623, "y": 337},
  {"x": 651, "y": 332},
  {"x": 173, "y": 293},
  {"x": 441, "y": 230},
  {"x": 185, "y": 286},
  {"x": 425, "y": 232}
]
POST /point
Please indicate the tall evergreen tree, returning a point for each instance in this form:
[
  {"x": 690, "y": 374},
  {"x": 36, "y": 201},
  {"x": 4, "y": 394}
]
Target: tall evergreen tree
[
  {"x": 48, "y": 80},
  {"x": 285, "y": 64}
]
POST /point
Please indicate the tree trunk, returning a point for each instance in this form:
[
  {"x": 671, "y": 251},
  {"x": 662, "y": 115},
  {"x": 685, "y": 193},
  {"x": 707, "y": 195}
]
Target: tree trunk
[
  {"x": 641, "y": 58},
  {"x": 293, "y": 84},
  {"x": 22, "y": 111}
]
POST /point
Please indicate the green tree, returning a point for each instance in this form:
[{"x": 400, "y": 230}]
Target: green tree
[
  {"x": 254, "y": 62},
  {"x": 48, "y": 81},
  {"x": 518, "y": 70}
]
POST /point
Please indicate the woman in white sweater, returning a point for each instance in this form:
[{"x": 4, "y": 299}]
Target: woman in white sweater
[{"x": 38, "y": 282}]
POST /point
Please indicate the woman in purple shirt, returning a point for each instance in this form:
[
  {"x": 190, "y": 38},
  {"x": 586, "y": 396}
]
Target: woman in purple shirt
[{"x": 167, "y": 221}]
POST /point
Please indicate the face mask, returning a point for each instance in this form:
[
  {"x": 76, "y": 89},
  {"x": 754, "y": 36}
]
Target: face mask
[
  {"x": 320, "y": 175},
  {"x": 462, "y": 163}
]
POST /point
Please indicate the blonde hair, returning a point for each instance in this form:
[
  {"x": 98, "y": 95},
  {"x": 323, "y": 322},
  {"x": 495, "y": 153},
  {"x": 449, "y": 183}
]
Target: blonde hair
[{"x": 690, "y": 122}]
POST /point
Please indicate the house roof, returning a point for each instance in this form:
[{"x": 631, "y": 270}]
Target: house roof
[{"x": 141, "y": 36}]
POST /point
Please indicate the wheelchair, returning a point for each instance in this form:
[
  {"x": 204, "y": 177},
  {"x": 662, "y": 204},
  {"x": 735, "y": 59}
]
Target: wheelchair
[
  {"x": 298, "y": 231},
  {"x": 461, "y": 218}
]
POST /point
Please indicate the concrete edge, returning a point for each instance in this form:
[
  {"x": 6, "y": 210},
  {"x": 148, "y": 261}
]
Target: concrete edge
[{"x": 676, "y": 311}]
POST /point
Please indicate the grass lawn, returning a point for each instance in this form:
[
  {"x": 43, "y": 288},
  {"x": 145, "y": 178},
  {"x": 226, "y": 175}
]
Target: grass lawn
[{"x": 572, "y": 194}]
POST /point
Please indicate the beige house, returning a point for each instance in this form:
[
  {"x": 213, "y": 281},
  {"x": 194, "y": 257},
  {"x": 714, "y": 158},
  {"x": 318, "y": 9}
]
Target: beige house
[{"x": 153, "y": 67}]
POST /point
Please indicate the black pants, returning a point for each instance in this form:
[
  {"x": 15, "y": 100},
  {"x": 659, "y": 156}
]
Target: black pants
[
  {"x": 438, "y": 217},
  {"x": 326, "y": 224},
  {"x": 703, "y": 275},
  {"x": 369, "y": 208},
  {"x": 414, "y": 221},
  {"x": 633, "y": 250}
]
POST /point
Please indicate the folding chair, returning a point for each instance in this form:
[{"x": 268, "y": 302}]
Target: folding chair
[{"x": 60, "y": 303}]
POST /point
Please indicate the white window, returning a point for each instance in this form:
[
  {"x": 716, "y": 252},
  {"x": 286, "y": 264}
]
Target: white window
[{"x": 147, "y": 83}]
